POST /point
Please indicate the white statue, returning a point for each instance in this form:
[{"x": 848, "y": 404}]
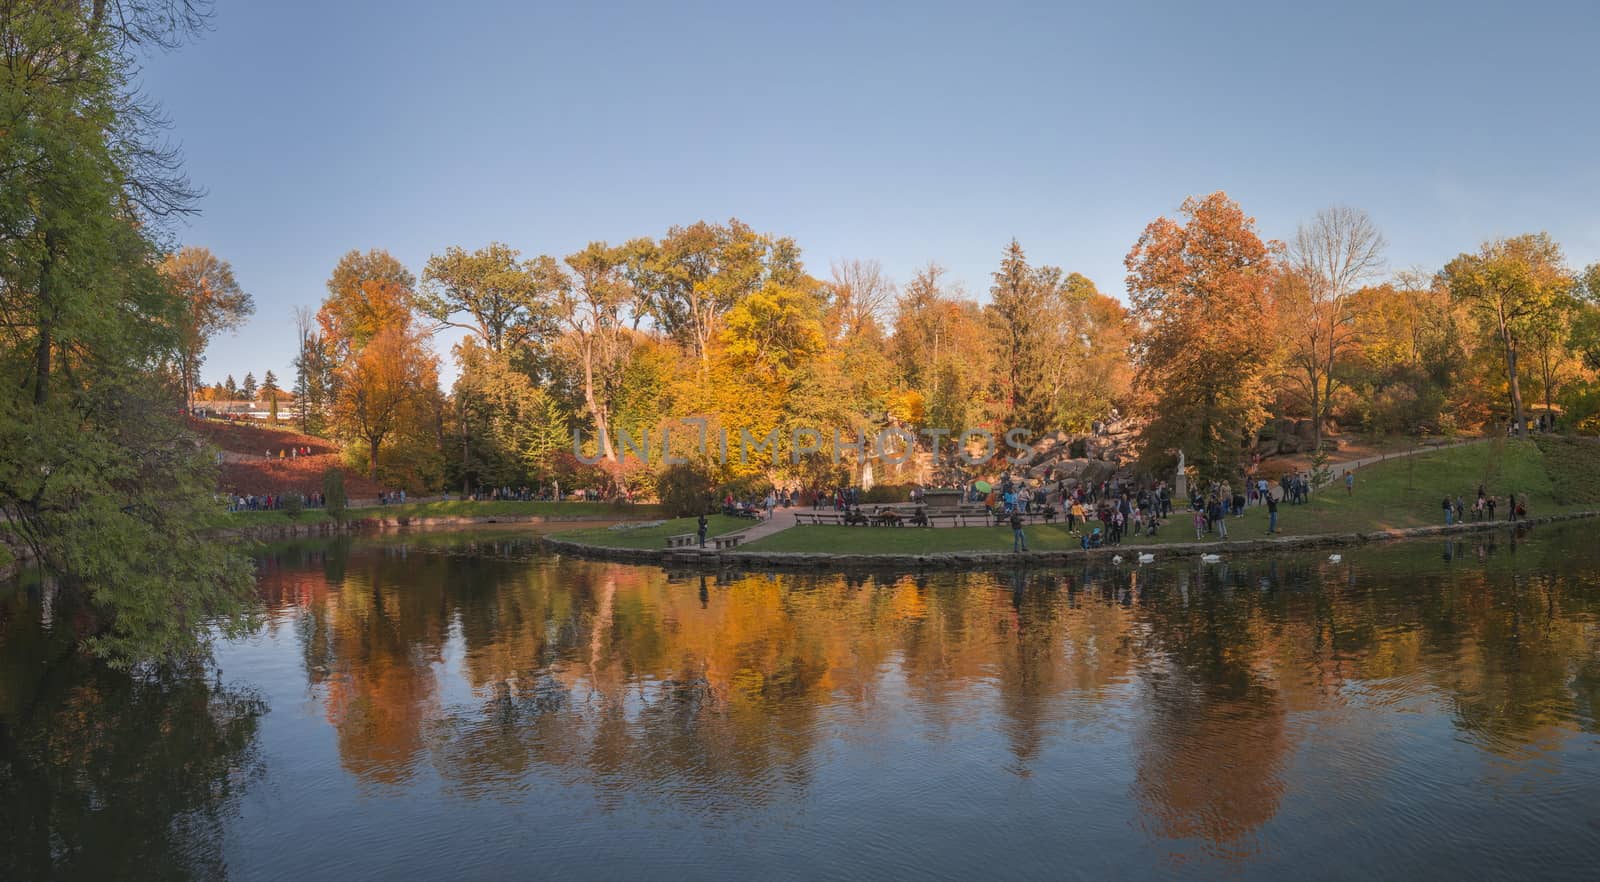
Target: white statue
[{"x": 1180, "y": 461}]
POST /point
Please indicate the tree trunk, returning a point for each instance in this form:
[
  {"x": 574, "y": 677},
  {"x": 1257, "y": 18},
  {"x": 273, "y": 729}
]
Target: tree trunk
[
  {"x": 42, "y": 355},
  {"x": 1516, "y": 391},
  {"x": 372, "y": 464},
  {"x": 601, "y": 427},
  {"x": 41, "y": 370}
]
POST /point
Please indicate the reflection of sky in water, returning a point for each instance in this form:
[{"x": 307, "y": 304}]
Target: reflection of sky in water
[{"x": 436, "y": 714}]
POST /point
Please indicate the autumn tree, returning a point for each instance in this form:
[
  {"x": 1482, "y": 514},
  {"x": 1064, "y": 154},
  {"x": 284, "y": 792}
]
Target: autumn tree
[
  {"x": 1328, "y": 260},
  {"x": 861, "y": 292},
  {"x": 366, "y": 294},
  {"x": 1088, "y": 362},
  {"x": 1200, "y": 294},
  {"x": 592, "y": 305},
  {"x": 1513, "y": 288},
  {"x": 213, "y": 303},
  {"x": 690, "y": 279},
  {"x": 385, "y": 389}
]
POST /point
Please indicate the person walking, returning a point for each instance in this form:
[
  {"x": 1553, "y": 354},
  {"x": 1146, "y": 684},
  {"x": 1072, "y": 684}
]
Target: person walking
[
  {"x": 1019, "y": 541},
  {"x": 1349, "y": 483}
]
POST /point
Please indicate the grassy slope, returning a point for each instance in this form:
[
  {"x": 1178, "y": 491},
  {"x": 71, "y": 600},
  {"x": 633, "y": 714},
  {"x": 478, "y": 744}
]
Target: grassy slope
[
  {"x": 445, "y": 509},
  {"x": 656, "y": 536},
  {"x": 1554, "y": 476}
]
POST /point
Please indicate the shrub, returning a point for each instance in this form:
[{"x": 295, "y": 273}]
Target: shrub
[
  {"x": 684, "y": 490},
  {"x": 293, "y": 505},
  {"x": 1078, "y": 449},
  {"x": 888, "y": 493}
]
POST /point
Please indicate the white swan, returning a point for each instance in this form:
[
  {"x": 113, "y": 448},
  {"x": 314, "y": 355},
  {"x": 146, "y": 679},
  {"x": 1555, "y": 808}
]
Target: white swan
[
  {"x": 1147, "y": 558},
  {"x": 1211, "y": 558},
  {"x": 1116, "y": 558},
  {"x": 1335, "y": 558}
]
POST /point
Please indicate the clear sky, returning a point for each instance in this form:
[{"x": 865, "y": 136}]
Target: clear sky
[{"x": 902, "y": 132}]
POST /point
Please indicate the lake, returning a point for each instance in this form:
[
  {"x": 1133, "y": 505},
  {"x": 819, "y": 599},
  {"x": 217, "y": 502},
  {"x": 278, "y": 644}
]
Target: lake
[{"x": 463, "y": 706}]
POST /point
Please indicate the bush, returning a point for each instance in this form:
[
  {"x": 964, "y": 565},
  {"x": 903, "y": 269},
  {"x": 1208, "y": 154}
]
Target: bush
[
  {"x": 684, "y": 490},
  {"x": 333, "y": 493},
  {"x": 1078, "y": 449},
  {"x": 888, "y": 493},
  {"x": 293, "y": 505}
]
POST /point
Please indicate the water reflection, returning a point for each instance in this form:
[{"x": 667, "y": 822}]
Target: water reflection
[
  {"x": 108, "y": 775},
  {"x": 1253, "y": 717}
]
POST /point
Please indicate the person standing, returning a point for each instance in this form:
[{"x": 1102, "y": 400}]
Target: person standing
[
  {"x": 1272, "y": 514},
  {"x": 1349, "y": 483},
  {"x": 1019, "y": 541},
  {"x": 1449, "y": 509},
  {"x": 700, "y": 527}
]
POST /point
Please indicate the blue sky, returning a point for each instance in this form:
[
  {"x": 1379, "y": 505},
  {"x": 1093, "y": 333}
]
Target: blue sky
[{"x": 901, "y": 132}]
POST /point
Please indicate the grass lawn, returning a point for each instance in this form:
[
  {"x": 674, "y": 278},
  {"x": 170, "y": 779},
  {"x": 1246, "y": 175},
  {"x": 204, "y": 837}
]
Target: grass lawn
[
  {"x": 655, "y": 536},
  {"x": 445, "y": 509},
  {"x": 1554, "y": 475}
]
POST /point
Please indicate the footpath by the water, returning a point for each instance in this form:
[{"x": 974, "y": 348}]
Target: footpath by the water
[{"x": 956, "y": 560}]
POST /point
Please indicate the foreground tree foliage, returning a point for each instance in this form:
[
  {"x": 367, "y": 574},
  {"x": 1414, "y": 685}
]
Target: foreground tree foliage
[{"x": 99, "y": 477}]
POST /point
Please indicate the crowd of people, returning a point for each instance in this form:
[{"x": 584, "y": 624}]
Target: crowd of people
[
  {"x": 274, "y": 501},
  {"x": 1483, "y": 507}
]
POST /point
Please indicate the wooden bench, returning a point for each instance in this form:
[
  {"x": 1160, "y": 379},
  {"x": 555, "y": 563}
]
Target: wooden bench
[
  {"x": 723, "y": 543},
  {"x": 682, "y": 540}
]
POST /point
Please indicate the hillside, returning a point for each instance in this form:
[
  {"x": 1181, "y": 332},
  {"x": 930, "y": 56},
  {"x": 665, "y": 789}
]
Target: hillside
[{"x": 252, "y": 465}]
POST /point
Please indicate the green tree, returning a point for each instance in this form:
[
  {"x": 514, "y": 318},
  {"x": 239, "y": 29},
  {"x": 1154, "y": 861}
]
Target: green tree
[
  {"x": 315, "y": 381},
  {"x": 98, "y": 475},
  {"x": 1514, "y": 288},
  {"x": 507, "y": 300},
  {"x": 333, "y": 498},
  {"x": 231, "y": 387},
  {"x": 1023, "y": 320},
  {"x": 248, "y": 389}
]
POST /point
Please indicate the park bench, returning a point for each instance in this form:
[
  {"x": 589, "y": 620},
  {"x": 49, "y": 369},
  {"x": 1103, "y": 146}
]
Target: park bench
[
  {"x": 723, "y": 543},
  {"x": 682, "y": 540}
]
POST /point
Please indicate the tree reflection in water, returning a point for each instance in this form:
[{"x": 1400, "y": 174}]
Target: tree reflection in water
[
  {"x": 721, "y": 691},
  {"x": 112, "y": 775},
  {"x": 1197, "y": 712}
]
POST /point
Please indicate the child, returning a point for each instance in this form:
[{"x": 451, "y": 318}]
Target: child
[{"x": 1199, "y": 524}]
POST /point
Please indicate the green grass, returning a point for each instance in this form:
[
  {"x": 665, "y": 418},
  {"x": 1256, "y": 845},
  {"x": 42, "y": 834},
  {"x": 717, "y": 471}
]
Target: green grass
[
  {"x": 1552, "y": 475},
  {"x": 1574, "y": 467},
  {"x": 445, "y": 509},
  {"x": 655, "y": 536}
]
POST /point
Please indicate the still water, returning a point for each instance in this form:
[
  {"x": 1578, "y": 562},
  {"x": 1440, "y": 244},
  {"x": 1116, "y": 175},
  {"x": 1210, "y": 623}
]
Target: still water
[{"x": 462, "y": 706}]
